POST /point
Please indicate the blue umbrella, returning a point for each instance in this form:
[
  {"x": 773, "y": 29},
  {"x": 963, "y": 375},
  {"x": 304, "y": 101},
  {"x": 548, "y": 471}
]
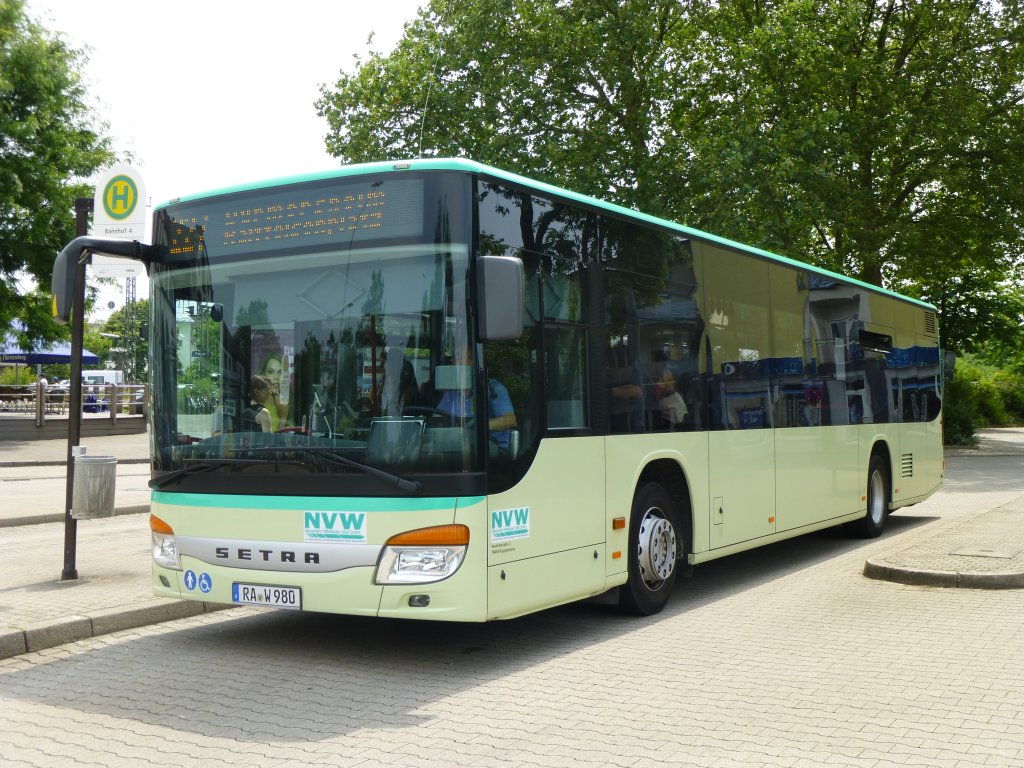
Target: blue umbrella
[{"x": 59, "y": 352}]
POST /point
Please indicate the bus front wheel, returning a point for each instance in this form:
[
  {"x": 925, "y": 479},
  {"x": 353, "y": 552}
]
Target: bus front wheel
[{"x": 654, "y": 548}]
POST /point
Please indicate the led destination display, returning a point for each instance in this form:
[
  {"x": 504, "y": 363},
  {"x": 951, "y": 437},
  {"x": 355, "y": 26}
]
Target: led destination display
[{"x": 303, "y": 216}]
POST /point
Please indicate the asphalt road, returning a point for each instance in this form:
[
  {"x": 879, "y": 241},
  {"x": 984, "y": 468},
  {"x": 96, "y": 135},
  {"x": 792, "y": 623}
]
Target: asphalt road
[{"x": 784, "y": 656}]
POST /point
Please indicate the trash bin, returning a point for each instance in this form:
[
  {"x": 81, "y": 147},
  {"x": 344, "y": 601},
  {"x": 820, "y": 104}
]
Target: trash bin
[{"x": 92, "y": 494}]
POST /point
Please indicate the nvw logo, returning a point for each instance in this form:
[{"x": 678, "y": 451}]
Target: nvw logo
[
  {"x": 120, "y": 196},
  {"x": 345, "y": 527},
  {"x": 509, "y": 524}
]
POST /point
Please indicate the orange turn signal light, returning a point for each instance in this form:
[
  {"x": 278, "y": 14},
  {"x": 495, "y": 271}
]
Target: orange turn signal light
[
  {"x": 435, "y": 536},
  {"x": 616, "y": 554},
  {"x": 156, "y": 525},
  {"x": 618, "y": 523}
]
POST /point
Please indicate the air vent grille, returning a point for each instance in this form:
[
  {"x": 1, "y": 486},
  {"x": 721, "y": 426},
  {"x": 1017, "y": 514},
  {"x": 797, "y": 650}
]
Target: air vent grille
[
  {"x": 907, "y": 465},
  {"x": 930, "y": 323}
]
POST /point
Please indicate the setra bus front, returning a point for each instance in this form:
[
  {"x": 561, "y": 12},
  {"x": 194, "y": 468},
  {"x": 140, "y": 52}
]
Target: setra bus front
[{"x": 315, "y": 368}]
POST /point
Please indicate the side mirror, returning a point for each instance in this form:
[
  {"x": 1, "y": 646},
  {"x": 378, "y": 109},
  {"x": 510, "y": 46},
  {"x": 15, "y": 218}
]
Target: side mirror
[
  {"x": 499, "y": 282},
  {"x": 66, "y": 264}
]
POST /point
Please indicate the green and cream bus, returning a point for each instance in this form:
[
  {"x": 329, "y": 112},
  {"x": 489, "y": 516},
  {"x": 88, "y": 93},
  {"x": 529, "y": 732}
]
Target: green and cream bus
[{"x": 651, "y": 397}]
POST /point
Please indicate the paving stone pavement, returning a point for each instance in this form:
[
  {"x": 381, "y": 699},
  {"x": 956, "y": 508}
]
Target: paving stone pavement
[
  {"x": 983, "y": 551},
  {"x": 38, "y": 610},
  {"x": 784, "y": 657}
]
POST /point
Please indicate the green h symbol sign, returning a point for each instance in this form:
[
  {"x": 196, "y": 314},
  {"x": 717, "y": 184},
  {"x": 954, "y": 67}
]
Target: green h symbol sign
[{"x": 120, "y": 197}]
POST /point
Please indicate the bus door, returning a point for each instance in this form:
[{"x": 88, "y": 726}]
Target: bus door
[
  {"x": 741, "y": 463},
  {"x": 741, "y": 459}
]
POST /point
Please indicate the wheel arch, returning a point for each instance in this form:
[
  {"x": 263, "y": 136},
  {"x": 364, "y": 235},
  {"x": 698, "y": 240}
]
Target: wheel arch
[{"x": 670, "y": 475}]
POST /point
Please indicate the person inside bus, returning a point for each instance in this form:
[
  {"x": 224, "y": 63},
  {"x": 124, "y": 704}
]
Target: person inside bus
[
  {"x": 273, "y": 371},
  {"x": 398, "y": 388},
  {"x": 672, "y": 410},
  {"x": 626, "y": 406},
  {"x": 328, "y": 412},
  {"x": 501, "y": 417},
  {"x": 256, "y": 417}
]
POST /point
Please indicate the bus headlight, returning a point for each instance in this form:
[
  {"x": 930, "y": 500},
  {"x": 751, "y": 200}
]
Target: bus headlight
[
  {"x": 165, "y": 551},
  {"x": 422, "y": 556}
]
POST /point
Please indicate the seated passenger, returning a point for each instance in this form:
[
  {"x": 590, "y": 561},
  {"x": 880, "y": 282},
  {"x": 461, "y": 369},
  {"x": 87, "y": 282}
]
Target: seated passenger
[
  {"x": 398, "y": 388},
  {"x": 672, "y": 408},
  {"x": 256, "y": 417}
]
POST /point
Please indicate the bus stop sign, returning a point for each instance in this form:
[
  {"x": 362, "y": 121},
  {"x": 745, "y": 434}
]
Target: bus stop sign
[
  {"x": 119, "y": 212},
  {"x": 119, "y": 209}
]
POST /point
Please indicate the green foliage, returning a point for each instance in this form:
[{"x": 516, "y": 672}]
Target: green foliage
[
  {"x": 1010, "y": 386},
  {"x": 573, "y": 93},
  {"x": 49, "y": 141},
  {"x": 18, "y": 374},
  {"x": 981, "y": 395},
  {"x": 127, "y": 323},
  {"x": 878, "y": 139},
  {"x": 959, "y": 413}
]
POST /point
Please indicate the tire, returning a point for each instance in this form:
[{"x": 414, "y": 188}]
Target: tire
[
  {"x": 655, "y": 545},
  {"x": 873, "y": 524}
]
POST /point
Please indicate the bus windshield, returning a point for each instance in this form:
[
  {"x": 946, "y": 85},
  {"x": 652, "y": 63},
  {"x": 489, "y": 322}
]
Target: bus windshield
[{"x": 311, "y": 334}]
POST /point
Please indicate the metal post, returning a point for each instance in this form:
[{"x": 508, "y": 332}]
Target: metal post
[{"x": 83, "y": 207}]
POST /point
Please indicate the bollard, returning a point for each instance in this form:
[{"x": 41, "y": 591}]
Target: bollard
[
  {"x": 40, "y": 402},
  {"x": 93, "y": 491}
]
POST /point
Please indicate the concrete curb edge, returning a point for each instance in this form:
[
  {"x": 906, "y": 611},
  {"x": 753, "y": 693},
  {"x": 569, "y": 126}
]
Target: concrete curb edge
[
  {"x": 881, "y": 570},
  {"x": 36, "y": 637},
  {"x": 58, "y": 517},
  {"x": 15, "y": 464}
]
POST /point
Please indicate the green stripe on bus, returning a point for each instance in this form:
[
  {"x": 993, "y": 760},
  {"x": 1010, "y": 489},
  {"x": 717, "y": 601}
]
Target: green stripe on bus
[{"x": 315, "y": 503}]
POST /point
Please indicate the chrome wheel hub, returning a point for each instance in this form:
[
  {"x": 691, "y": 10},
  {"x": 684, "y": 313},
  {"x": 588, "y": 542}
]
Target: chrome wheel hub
[{"x": 656, "y": 551}]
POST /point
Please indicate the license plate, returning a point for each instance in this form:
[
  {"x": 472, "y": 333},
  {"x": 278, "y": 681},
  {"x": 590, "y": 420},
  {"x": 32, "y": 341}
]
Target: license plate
[{"x": 261, "y": 594}]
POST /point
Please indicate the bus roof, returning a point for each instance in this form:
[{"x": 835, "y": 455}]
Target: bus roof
[{"x": 471, "y": 166}]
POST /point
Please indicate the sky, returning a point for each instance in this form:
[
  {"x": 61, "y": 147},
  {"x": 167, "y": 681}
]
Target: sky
[{"x": 214, "y": 93}]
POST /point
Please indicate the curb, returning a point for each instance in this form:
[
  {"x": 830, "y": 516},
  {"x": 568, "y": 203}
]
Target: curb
[
  {"x": 881, "y": 570},
  {"x": 36, "y": 637},
  {"x": 62, "y": 463},
  {"x": 58, "y": 517}
]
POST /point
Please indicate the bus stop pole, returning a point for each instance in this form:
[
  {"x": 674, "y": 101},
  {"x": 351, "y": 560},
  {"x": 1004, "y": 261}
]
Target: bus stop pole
[{"x": 83, "y": 207}]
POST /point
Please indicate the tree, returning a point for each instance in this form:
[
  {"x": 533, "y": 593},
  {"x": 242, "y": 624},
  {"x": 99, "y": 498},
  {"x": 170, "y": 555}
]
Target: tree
[
  {"x": 127, "y": 324},
  {"x": 877, "y": 138},
  {"x": 573, "y": 93},
  {"x": 48, "y": 144}
]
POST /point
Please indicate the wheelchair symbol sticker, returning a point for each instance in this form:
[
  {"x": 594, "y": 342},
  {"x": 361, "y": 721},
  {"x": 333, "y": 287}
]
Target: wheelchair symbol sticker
[
  {"x": 190, "y": 580},
  {"x": 205, "y": 583}
]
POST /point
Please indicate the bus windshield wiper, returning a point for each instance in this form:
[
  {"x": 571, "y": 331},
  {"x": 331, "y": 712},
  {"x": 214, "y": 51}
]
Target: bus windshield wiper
[
  {"x": 332, "y": 457},
  {"x": 206, "y": 465}
]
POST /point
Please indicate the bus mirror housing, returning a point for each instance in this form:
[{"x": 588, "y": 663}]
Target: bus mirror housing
[
  {"x": 499, "y": 282},
  {"x": 68, "y": 260},
  {"x": 62, "y": 286}
]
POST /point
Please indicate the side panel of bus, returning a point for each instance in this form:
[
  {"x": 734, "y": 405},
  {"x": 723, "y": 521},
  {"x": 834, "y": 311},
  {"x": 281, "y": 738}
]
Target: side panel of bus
[{"x": 546, "y": 535}]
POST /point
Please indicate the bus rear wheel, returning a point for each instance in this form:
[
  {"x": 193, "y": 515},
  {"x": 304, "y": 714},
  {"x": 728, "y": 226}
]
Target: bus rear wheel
[
  {"x": 654, "y": 548},
  {"x": 873, "y": 523}
]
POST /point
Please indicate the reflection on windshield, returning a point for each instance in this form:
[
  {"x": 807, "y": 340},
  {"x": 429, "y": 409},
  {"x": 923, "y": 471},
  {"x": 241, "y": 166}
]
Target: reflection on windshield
[{"x": 348, "y": 352}]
